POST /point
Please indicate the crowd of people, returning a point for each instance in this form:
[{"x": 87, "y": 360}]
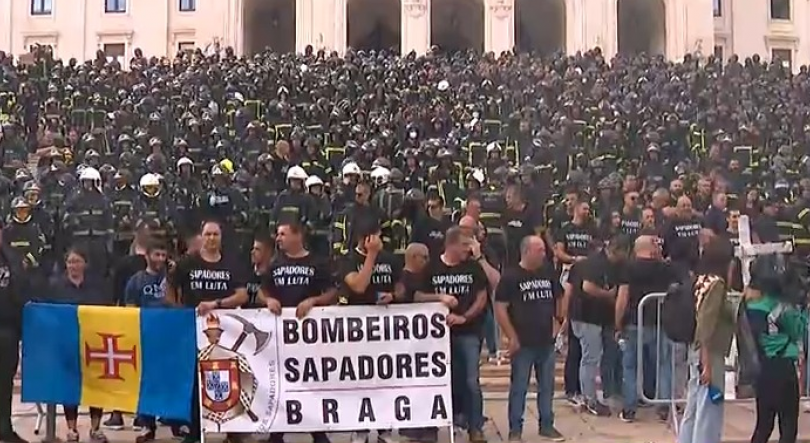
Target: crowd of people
[{"x": 529, "y": 194}]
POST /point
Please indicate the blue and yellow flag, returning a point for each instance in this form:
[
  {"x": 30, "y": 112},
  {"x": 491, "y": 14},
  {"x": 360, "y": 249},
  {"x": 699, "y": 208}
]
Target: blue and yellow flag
[{"x": 126, "y": 359}]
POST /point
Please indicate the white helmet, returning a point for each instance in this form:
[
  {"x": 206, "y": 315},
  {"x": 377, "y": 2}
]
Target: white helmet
[
  {"x": 150, "y": 184},
  {"x": 149, "y": 179},
  {"x": 350, "y": 169},
  {"x": 296, "y": 173},
  {"x": 90, "y": 173},
  {"x": 184, "y": 161},
  {"x": 380, "y": 175},
  {"x": 313, "y": 180}
]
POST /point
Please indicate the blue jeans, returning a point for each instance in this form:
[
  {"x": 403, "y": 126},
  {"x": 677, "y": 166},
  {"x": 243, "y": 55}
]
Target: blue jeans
[
  {"x": 590, "y": 340},
  {"x": 468, "y": 401},
  {"x": 702, "y": 420},
  {"x": 662, "y": 355},
  {"x": 541, "y": 359},
  {"x": 491, "y": 332},
  {"x": 610, "y": 366}
]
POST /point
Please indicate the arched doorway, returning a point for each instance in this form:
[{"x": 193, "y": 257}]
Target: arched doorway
[
  {"x": 642, "y": 27},
  {"x": 540, "y": 26},
  {"x": 457, "y": 25},
  {"x": 374, "y": 24},
  {"x": 269, "y": 24}
]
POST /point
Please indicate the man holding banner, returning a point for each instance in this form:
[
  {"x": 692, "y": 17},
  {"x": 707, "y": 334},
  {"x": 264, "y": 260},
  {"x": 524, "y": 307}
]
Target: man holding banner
[
  {"x": 456, "y": 275},
  {"x": 207, "y": 280},
  {"x": 296, "y": 279},
  {"x": 369, "y": 275}
]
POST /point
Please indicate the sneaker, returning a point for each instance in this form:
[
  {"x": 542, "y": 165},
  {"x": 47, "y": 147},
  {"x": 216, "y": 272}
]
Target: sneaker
[
  {"x": 72, "y": 436},
  {"x": 385, "y": 437},
  {"x": 573, "y": 399},
  {"x": 98, "y": 436},
  {"x": 598, "y": 409},
  {"x": 12, "y": 437},
  {"x": 551, "y": 434},
  {"x": 359, "y": 437},
  {"x": 179, "y": 432},
  {"x": 477, "y": 437},
  {"x": 145, "y": 437},
  {"x": 137, "y": 424},
  {"x": 115, "y": 422},
  {"x": 515, "y": 437},
  {"x": 627, "y": 416}
]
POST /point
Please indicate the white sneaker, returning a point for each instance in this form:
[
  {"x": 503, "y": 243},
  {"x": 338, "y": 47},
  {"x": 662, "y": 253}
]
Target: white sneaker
[{"x": 359, "y": 437}]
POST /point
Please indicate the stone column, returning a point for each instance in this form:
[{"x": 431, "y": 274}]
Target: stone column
[
  {"x": 499, "y": 26},
  {"x": 340, "y": 34},
  {"x": 591, "y": 23},
  {"x": 675, "y": 20},
  {"x": 415, "y": 24},
  {"x": 608, "y": 39}
]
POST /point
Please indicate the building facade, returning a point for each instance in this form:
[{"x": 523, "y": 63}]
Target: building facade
[{"x": 78, "y": 28}]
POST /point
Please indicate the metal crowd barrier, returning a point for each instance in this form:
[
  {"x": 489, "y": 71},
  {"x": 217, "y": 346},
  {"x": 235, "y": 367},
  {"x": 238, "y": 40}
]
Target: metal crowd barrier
[{"x": 679, "y": 360}]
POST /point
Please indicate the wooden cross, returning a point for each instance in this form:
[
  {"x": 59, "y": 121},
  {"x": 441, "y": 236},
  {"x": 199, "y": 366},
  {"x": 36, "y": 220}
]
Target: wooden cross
[{"x": 748, "y": 251}]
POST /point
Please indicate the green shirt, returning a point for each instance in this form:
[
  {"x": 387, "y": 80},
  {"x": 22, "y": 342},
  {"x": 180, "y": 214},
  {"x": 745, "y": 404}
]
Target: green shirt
[{"x": 791, "y": 327}]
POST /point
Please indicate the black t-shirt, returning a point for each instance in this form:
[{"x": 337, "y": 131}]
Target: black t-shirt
[
  {"x": 644, "y": 276},
  {"x": 630, "y": 224},
  {"x": 736, "y": 282},
  {"x": 254, "y": 283},
  {"x": 383, "y": 279},
  {"x": 293, "y": 280},
  {"x": 532, "y": 297},
  {"x": 462, "y": 281},
  {"x": 200, "y": 280},
  {"x": 411, "y": 283},
  {"x": 517, "y": 225},
  {"x": 681, "y": 240},
  {"x": 576, "y": 239},
  {"x": 599, "y": 270}
]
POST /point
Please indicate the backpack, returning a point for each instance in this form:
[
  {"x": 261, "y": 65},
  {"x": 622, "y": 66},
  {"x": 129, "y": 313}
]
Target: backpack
[
  {"x": 679, "y": 310},
  {"x": 678, "y": 313}
]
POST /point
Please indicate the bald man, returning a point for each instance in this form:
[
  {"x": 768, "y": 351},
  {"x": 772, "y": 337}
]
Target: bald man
[
  {"x": 528, "y": 303},
  {"x": 646, "y": 273},
  {"x": 417, "y": 257},
  {"x": 681, "y": 234}
]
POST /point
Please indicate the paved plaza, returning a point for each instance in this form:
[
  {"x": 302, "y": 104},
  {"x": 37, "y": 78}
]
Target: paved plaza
[{"x": 577, "y": 427}]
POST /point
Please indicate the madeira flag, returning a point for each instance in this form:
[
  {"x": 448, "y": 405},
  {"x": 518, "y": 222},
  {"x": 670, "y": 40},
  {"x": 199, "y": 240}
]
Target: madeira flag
[{"x": 126, "y": 359}]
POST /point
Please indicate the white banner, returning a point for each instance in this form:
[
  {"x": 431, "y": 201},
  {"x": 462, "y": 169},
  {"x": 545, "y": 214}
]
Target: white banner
[{"x": 342, "y": 368}]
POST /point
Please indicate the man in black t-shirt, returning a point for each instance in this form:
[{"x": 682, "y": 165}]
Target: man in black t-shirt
[
  {"x": 368, "y": 275},
  {"x": 454, "y": 274},
  {"x": 681, "y": 233},
  {"x": 591, "y": 315},
  {"x": 574, "y": 240},
  {"x": 207, "y": 280},
  {"x": 261, "y": 255},
  {"x": 296, "y": 278},
  {"x": 528, "y": 303},
  {"x": 646, "y": 273},
  {"x": 417, "y": 258}
]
